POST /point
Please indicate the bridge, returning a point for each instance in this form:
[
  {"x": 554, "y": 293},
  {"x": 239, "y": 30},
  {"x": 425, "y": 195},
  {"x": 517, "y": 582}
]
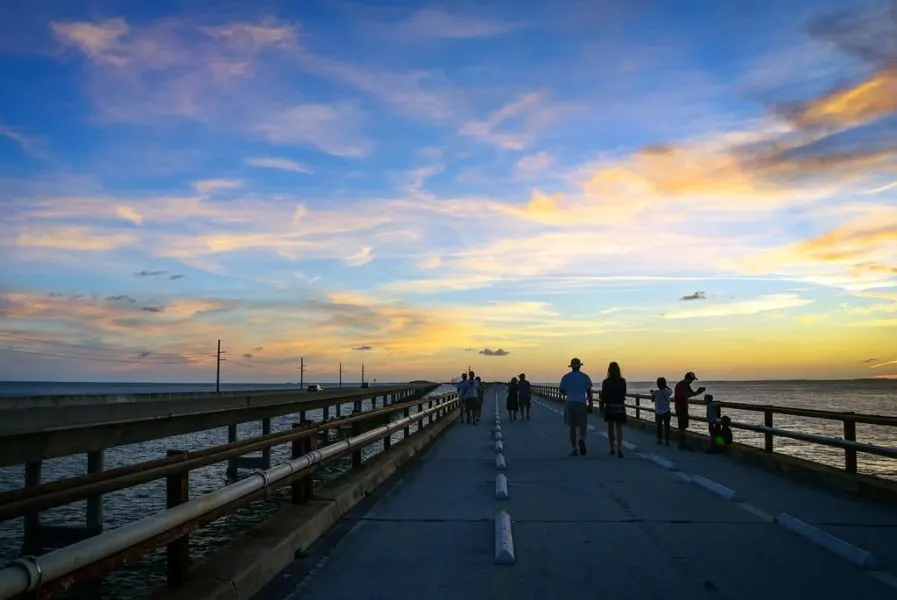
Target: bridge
[{"x": 495, "y": 510}]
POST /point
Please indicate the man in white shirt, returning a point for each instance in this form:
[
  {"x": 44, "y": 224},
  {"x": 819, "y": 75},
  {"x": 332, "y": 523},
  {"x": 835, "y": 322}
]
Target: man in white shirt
[{"x": 471, "y": 396}]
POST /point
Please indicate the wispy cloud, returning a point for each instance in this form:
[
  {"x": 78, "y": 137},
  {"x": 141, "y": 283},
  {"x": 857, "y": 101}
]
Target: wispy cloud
[
  {"x": 329, "y": 128},
  {"x": 363, "y": 348},
  {"x": 883, "y": 364},
  {"x": 498, "y": 352},
  {"x": 362, "y": 257},
  {"x": 208, "y": 186},
  {"x": 149, "y": 273},
  {"x": 767, "y": 303},
  {"x": 695, "y": 296},
  {"x": 429, "y": 23},
  {"x": 282, "y": 164}
]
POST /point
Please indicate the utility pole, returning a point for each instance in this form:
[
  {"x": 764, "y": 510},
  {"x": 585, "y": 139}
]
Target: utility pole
[
  {"x": 341, "y": 374},
  {"x": 302, "y": 372},
  {"x": 362, "y": 373},
  {"x": 218, "y": 367}
]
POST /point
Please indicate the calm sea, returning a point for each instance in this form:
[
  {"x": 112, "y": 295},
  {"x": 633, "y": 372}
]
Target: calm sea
[{"x": 861, "y": 396}]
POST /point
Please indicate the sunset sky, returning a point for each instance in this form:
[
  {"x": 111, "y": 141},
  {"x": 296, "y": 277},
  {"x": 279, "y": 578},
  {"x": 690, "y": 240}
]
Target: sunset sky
[{"x": 689, "y": 185}]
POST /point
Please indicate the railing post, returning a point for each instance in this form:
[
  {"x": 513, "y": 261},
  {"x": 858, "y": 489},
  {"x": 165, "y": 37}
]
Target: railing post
[
  {"x": 356, "y": 456},
  {"x": 177, "y": 491},
  {"x": 406, "y": 432},
  {"x": 302, "y": 488},
  {"x": 430, "y": 416},
  {"x": 638, "y": 406},
  {"x": 339, "y": 409},
  {"x": 850, "y": 454},
  {"x": 767, "y": 422},
  {"x": 32, "y": 542},
  {"x": 232, "y": 462}
]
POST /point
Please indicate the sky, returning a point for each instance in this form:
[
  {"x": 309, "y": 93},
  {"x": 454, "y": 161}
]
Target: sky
[{"x": 420, "y": 187}]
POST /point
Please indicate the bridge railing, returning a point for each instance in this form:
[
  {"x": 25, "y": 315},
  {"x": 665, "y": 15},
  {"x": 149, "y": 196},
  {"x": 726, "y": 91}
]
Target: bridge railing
[
  {"x": 60, "y": 570},
  {"x": 849, "y": 421}
]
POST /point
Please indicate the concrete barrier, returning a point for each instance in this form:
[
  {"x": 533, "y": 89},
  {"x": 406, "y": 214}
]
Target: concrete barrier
[
  {"x": 504, "y": 540},
  {"x": 246, "y": 564},
  {"x": 849, "y": 552},
  {"x": 661, "y": 462},
  {"x": 498, "y": 436},
  {"x": 717, "y": 488},
  {"x": 500, "y": 462},
  {"x": 501, "y": 487},
  {"x": 499, "y": 446}
]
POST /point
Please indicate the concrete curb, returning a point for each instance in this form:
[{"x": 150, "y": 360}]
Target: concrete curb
[
  {"x": 630, "y": 446},
  {"x": 501, "y": 487},
  {"x": 498, "y": 436},
  {"x": 849, "y": 552},
  {"x": 500, "y": 462},
  {"x": 504, "y": 540},
  {"x": 717, "y": 488},
  {"x": 661, "y": 462},
  {"x": 499, "y": 446}
]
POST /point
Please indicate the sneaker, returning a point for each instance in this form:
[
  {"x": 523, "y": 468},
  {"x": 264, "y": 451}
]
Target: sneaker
[
  {"x": 582, "y": 447},
  {"x": 619, "y": 454},
  {"x": 574, "y": 452}
]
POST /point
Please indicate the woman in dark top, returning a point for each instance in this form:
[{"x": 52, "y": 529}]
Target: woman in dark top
[
  {"x": 613, "y": 398},
  {"x": 512, "y": 399}
]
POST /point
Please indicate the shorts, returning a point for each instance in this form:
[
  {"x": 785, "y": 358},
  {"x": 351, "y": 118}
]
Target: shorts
[
  {"x": 614, "y": 413},
  {"x": 470, "y": 403},
  {"x": 682, "y": 420},
  {"x": 576, "y": 414}
]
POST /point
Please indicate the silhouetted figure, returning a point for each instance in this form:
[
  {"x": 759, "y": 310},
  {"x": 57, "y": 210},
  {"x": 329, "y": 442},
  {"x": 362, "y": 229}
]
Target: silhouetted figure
[
  {"x": 576, "y": 388},
  {"x": 512, "y": 401},
  {"x": 613, "y": 398},
  {"x": 462, "y": 390},
  {"x": 661, "y": 398},
  {"x": 681, "y": 395},
  {"x": 524, "y": 396},
  {"x": 480, "y": 397}
]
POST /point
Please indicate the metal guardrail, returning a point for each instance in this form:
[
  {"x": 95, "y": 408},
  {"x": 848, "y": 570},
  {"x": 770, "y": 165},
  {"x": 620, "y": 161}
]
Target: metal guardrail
[
  {"x": 60, "y": 570},
  {"x": 848, "y": 443}
]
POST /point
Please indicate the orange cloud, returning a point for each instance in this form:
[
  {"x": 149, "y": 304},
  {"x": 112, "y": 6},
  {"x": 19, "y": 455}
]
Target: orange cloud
[{"x": 865, "y": 102}]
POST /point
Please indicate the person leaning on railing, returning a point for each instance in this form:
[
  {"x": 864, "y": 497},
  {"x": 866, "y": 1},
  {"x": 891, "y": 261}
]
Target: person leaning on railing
[{"x": 682, "y": 394}]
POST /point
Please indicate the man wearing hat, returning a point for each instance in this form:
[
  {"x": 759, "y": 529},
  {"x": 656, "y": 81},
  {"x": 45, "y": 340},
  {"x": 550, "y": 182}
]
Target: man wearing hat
[
  {"x": 682, "y": 394},
  {"x": 576, "y": 388}
]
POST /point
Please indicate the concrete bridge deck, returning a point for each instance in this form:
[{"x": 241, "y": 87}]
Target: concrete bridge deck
[{"x": 593, "y": 526}]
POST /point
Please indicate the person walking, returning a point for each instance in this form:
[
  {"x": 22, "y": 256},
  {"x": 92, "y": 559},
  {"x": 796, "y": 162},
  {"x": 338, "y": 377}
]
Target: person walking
[
  {"x": 461, "y": 387},
  {"x": 524, "y": 396},
  {"x": 480, "y": 397},
  {"x": 681, "y": 395},
  {"x": 661, "y": 398},
  {"x": 471, "y": 396},
  {"x": 512, "y": 401},
  {"x": 576, "y": 389},
  {"x": 613, "y": 398}
]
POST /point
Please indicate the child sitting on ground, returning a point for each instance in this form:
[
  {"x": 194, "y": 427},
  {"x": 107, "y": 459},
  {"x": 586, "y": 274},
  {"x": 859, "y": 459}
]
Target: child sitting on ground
[{"x": 726, "y": 431}]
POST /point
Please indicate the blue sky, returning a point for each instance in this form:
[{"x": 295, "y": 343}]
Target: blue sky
[{"x": 431, "y": 180}]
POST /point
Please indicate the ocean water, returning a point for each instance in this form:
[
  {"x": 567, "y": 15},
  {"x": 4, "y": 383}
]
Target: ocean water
[{"x": 861, "y": 396}]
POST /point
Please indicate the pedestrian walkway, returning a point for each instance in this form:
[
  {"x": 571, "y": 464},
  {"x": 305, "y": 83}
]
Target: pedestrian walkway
[{"x": 593, "y": 526}]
